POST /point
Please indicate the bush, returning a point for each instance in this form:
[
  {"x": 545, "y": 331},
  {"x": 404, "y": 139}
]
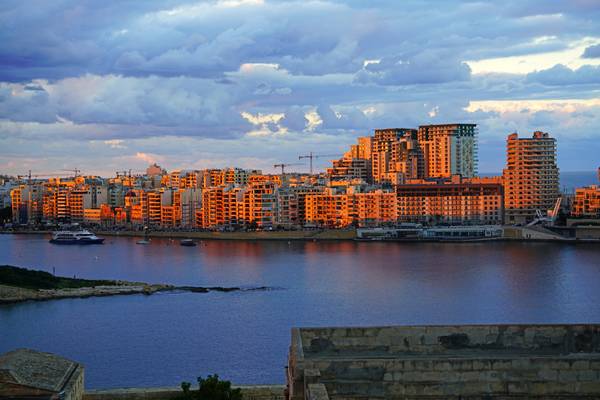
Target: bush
[{"x": 210, "y": 388}]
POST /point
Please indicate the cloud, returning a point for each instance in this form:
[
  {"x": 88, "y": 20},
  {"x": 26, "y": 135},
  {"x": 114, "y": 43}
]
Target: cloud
[
  {"x": 422, "y": 68},
  {"x": 562, "y": 75},
  {"x": 224, "y": 81},
  {"x": 592, "y": 52},
  {"x": 148, "y": 158},
  {"x": 115, "y": 144}
]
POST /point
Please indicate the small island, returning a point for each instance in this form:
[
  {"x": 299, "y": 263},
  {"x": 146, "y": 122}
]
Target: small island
[{"x": 21, "y": 284}]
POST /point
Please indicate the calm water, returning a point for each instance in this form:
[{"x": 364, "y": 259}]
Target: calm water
[{"x": 163, "y": 339}]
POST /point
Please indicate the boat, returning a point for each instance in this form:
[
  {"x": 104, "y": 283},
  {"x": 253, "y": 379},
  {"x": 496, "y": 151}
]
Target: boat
[
  {"x": 75, "y": 237},
  {"x": 146, "y": 239},
  {"x": 187, "y": 242}
]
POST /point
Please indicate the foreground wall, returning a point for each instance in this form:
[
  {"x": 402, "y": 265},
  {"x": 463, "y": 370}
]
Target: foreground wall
[
  {"x": 500, "y": 361},
  {"x": 266, "y": 392}
]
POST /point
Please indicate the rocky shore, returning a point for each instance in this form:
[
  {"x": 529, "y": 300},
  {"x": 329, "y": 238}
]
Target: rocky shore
[{"x": 20, "y": 284}]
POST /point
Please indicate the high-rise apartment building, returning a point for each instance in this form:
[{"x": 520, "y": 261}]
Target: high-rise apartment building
[
  {"x": 449, "y": 149},
  {"x": 531, "y": 176}
]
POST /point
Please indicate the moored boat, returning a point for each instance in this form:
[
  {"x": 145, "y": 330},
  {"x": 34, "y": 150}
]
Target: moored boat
[
  {"x": 187, "y": 242},
  {"x": 75, "y": 237}
]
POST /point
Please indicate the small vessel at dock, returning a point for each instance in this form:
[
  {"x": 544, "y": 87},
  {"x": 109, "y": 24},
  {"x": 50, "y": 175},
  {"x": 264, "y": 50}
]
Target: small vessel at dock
[
  {"x": 75, "y": 237},
  {"x": 187, "y": 242},
  {"x": 146, "y": 239}
]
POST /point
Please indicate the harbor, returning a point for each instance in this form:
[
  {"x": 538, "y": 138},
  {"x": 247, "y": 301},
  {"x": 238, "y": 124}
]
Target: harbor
[{"x": 244, "y": 335}]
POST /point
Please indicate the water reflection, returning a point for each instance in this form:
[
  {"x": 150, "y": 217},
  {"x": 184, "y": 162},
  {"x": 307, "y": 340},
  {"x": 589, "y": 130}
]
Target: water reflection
[{"x": 161, "y": 339}]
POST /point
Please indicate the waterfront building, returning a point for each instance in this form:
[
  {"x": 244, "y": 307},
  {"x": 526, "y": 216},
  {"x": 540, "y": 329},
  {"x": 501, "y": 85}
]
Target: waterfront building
[
  {"x": 27, "y": 203},
  {"x": 456, "y": 201},
  {"x": 449, "y": 149},
  {"x": 531, "y": 181},
  {"x": 327, "y": 210},
  {"x": 259, "y": 200},
  {"x": 92, "y": 216},
  {"x": 586, "y": 203},
  {"x": 291, "y": 205},
  {"x": 373, "y": 208}
]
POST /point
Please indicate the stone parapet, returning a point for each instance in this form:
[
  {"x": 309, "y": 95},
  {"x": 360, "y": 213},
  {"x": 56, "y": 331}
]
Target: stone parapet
[{"x": 493, "y": 361}]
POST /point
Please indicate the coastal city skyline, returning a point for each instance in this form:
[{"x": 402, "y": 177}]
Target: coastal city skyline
[{"x": 427, "y": 175}]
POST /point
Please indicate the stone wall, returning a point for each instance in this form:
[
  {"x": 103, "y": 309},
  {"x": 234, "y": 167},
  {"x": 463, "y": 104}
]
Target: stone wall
[
  {"x": 447, "y": 361},
  {"x": 264, "y": 392}
]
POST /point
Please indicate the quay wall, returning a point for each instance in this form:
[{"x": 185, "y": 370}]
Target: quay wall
[{"x": 445, "y": 362}]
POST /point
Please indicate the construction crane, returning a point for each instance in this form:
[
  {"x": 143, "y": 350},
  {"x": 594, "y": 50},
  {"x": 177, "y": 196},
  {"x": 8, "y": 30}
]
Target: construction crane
[
  {"x": 75, "y": 171},
  {"x": 30, "y": 175},
  {"x": 282, "y": 166},
  {"x": 312, "y": 156}
]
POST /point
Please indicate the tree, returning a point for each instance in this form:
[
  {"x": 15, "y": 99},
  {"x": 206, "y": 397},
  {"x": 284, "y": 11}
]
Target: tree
[
  {"x": 5, "y": 214},
  {"x": 210, "y": 388}
]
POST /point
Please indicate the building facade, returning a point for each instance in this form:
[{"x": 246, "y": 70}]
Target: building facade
[{"x": 531, "y": 181}]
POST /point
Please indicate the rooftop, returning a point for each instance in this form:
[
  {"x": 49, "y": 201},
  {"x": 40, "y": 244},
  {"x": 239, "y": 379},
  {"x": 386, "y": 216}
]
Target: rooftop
[{"x": 36, "y": 369}]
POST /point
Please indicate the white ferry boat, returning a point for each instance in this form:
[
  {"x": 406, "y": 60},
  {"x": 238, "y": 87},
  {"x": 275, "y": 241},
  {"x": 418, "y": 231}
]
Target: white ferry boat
[{"x": 75, "y": 237}]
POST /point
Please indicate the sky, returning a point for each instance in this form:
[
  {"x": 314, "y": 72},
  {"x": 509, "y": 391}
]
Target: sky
[{"x": 112, "y": 85}]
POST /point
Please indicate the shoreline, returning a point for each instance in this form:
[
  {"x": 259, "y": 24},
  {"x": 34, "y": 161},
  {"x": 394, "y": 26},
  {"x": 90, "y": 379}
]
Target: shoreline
[
  {"x": 14, "y": 294},
  {"x": 323, "y": 235},
  {"x": 305, "y": 235},
  {"x": 35, "y": 285}
]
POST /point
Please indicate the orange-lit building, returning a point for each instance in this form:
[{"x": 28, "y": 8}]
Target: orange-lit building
[
  {"x": 531, "y": 181},
  {"x": 27, "y": 203},
  {"x": 586, "y": 203},
  {"x": 459, "y": 201},
  {"x": 449, "y": 149},
  {"x": 327, "y": 209},
  {"x": 341, "y": 210},
  {"x": 259, "y": 200},
  {"x": 373, "y": 208}
]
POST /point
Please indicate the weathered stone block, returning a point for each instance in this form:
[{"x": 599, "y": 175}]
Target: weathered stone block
[
  {"x": 567, "y": 376},
  {"x": 481, "y": 365},
  {"x": 502, "y": 364},
  {"x": 588, "y": 388},
  {"x": 518, "y": 388},
  {"x": 442, "y": 366},
  {"x": 580, "y": 364},
  {"x": 548, "y": 374},
  {"x": 587, "y": 375}
]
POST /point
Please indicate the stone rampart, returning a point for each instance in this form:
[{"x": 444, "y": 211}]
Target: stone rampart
[{"x": 477, "y": 361}]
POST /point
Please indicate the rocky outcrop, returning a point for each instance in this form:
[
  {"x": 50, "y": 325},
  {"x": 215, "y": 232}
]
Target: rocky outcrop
[{"x": 12, "y": 294}]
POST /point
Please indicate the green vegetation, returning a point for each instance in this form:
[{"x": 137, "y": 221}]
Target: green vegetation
[
  {"x": 30, "y": 279},
  {"x": 5, "y": 214},
  {"x": 210, "y": 388}
]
